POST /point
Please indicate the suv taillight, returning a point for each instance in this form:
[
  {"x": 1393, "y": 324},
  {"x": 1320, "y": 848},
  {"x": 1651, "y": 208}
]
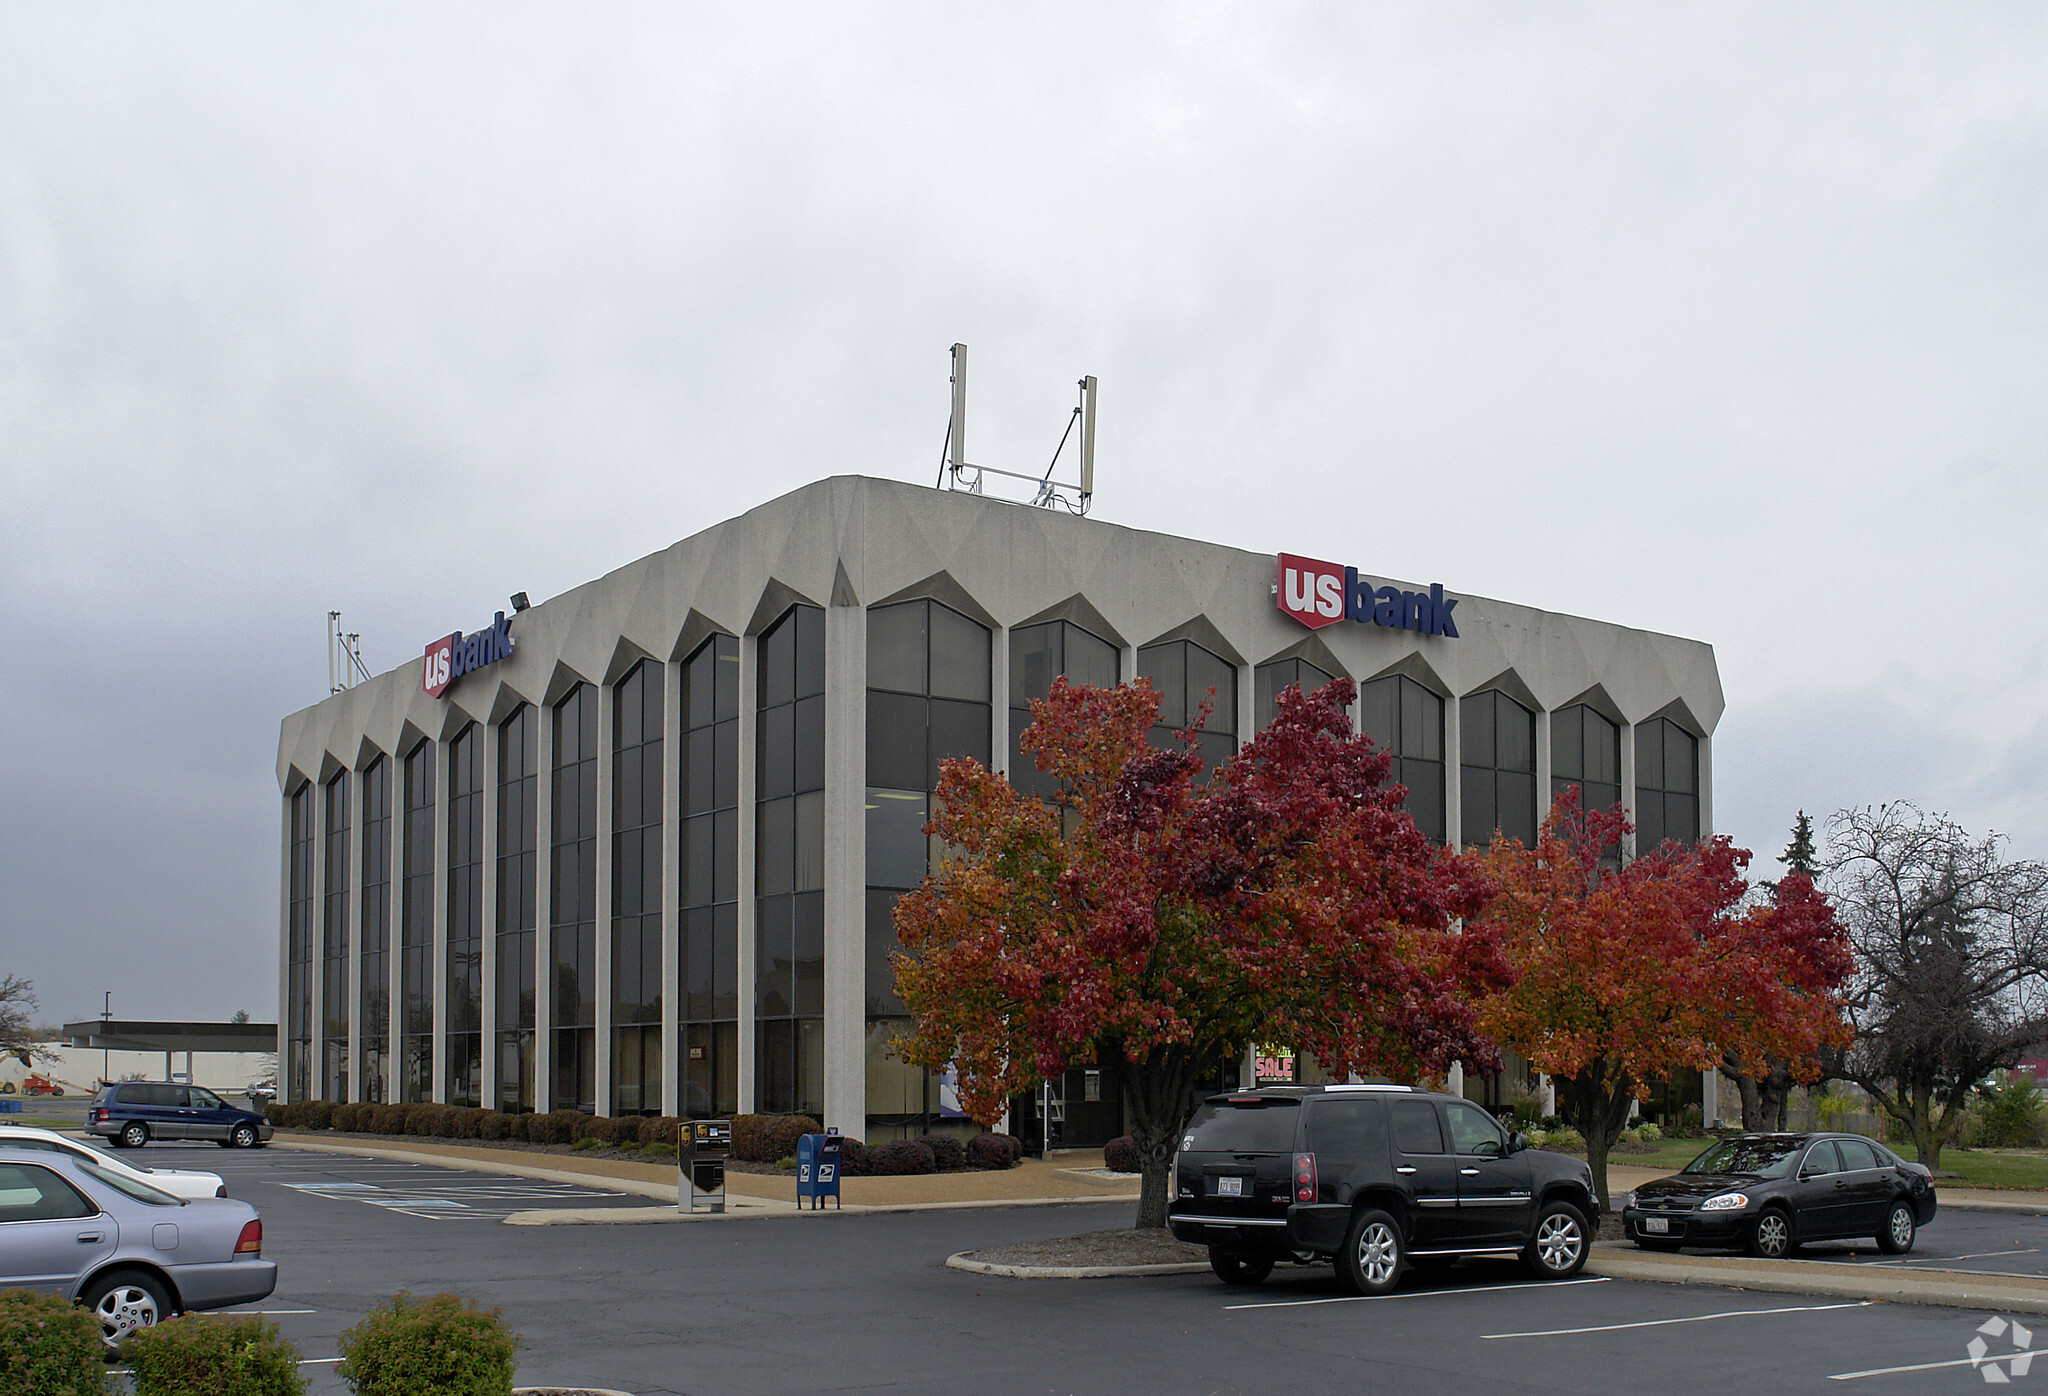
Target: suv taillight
[
  {"x": 250, "y": 1242},
  {"x": 1304, "y": 1177}
]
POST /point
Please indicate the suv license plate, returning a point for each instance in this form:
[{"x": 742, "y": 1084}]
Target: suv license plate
[
  {"x": 1230, "y": 1187},
  {"x": 1656, "y": 1226}
]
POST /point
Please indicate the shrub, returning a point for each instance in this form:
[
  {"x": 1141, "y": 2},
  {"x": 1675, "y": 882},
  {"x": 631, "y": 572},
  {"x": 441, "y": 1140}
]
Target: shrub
[
  {"x": 348, "y": 1116},
  {"x": 899, "y": 1157},
  {"x": 1689, "y": 1121},
  {"x": 495, "y": 1124},
  {"x": 1647, "y": 1131},
  {"x": 766, "y": 1138},
  {"x": 48, "y": 1347},
  {"x": 432, "y": 1121},
  {"x": 1120, "y": 1155},
  {"x": 199, "y": 1355},
  {"x": 662, "y": 1129},
  {"x": 468, "y": 1121},
  {"x": 853, "y": 1158},
  {"x": 2012, "y": 1115},
  {"x": 556, "y": 1127},
  {"x": 282, "y": 1114},
  {"x": 316, "y": 1114},
  {"x": 994, "y": 1151},
  {"x": 440, "y": 1344},
  {"x": 628, "y": 1129},
  {"x": 658, "y": 1151},
  {"x": 585, "y": 1145},
  {"x": 601, "y": 1128},
  {"x": 949, "y": 1153},
  {"x": 388, "y": 1119}
]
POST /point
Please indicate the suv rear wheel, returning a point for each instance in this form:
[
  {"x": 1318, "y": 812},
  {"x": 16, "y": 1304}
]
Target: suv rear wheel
[
  {"x": 1238, "y": 1269},
  {"x": 1558, "y": 1249},
  {"x": 1371, "y": 1260}
]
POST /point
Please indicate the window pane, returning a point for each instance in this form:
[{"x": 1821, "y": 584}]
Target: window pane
[
  {"x": 1649, "y": 820},
  {"x": 1475, "y": 730},
  {"x": 726, "y": 685},
  {"x": 808, "y": 946},
  {"x": 1376, "y": 711},
  {"x": 896, "y": 741},
  {"x": 958, "y": 729},
  {"x": 774, "y": 960},
  {"x": 1682, "y": 818},
  {"x": 699, "y": 959},
  {"x": 1601, "y": 796},
  {"x": 1269, "y": 681},
  {"x": 699, "y": 787},
  {"x": 881, "y": 936},
  {"x": 1477, "y": 816},
  {"x": 1090, "y": 661},
  {"x": 1515, "y": 731},
  {"x": 776, "y": 864},
  {"x": 810, "y": 841},
  {"x": 1205, "y": 673},
  {"x": 1515, "y": 806},
  {"x": 726, "y": 873},
  {"x": 725, "y": 756},
  {"x": 895, "y": 833},
  {"x": 1603, "y": 749},
  {"x": 1034, "y": 661},
  {"x": 1567, "y": 744},
  {"x": 1215, "y": 749},
  {"x": 1166, "y": 666},
  {"x": 778, "y": 663},
  {"x": 810, "y": 651},
  {"x": 1650, "y": 755},
  {"x": 699, "y": 860},
  {"x": 1425, "y": 803},
  {"x": 699, "y": 709},
  {"x": 1422, "y": 722},
  {"x": 775, "y": 760},
  {"x": 1681, "y": 759},
  {"x": 725, "y": 978},
  {"x": 810, "y": 744},
  {"x": 896, "y": 647},
  {"x": 960, "y": 656},
  {"x": 1416, "y": 1130}
]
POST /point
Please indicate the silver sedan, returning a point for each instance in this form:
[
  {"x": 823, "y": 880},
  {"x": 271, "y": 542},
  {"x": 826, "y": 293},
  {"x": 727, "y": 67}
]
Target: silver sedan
[{"x": 130, "y": 1253}]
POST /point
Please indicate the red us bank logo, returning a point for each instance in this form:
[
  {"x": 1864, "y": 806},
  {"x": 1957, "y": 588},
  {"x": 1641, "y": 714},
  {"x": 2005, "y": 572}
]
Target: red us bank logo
[{"x": 1316, "y": 593}]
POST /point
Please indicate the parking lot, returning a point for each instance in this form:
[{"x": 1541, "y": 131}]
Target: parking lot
[{"x": 821, "y": 1302}]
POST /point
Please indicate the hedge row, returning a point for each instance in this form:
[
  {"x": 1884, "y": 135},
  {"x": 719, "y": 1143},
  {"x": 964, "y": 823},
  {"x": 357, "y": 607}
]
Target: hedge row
[{"x": 755, "y": 1138}]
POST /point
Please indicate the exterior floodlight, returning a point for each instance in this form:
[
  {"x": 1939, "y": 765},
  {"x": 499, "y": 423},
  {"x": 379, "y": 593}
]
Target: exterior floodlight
[{"x": 519, "y": 602}]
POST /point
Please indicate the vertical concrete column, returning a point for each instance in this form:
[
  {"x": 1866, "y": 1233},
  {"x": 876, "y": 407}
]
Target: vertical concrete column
[
  {"x": 846, "y": 848},
  {"x": 1454, "y": 780},
  {"x": 359, "y": 876},
  {"x": 544, "y": 914},
  {"x": 750, "y": 650},
  {"x": 284, "y": 948},
  {"x": 1247, "y": 699},
  {"x": 1706, "y": 787},
  {"x": 1542, "y": 766},
  {"x": 438, "y": 1067},
  {"x": 607, "y": 735},
  {"x": 1628, "y": 782},
  {"x": 487, "y": 969},
  {"x": 671, "y": 888},
  {"x": 999, "y": 701}
]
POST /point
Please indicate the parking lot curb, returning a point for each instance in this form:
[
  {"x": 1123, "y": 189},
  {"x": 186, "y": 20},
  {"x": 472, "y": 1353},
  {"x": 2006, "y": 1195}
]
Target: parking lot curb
[
  {"x": 604, "y": 1182},
  {"x": 963, "y": 1260},
  {"x": 2033, "y": 1209},
  {"x": 2019, "y": 1294}
]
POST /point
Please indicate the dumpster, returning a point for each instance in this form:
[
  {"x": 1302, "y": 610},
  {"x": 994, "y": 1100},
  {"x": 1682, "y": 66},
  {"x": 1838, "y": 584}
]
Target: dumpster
[
  {"x": 817, "y": 1169},
  {"x": 700, "y": 1165}
]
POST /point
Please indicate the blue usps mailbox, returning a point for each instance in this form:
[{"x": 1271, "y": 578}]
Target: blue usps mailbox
[{"x": 817, "y": 1169}]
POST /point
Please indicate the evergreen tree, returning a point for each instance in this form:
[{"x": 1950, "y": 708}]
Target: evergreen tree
[{"x": 1799, "y": 854}]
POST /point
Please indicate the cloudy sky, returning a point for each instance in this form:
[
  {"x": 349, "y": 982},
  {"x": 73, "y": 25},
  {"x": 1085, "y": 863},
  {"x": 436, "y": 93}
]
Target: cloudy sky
[{"x": 1719, "y": 320}]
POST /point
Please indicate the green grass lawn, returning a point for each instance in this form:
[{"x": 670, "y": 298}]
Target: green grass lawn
[{"x": 34, "y": 1121}]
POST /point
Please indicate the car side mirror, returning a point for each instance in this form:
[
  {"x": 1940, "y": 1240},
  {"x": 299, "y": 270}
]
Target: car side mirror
[{"x": 1517, "y": 1141}]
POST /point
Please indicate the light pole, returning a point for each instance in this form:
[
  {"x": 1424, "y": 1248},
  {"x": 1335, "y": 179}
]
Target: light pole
[{"x": 106, "y": 1018}]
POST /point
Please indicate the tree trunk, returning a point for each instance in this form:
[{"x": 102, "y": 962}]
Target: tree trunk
[
  {"x": 1156, "y": 1093},
  {"x": 1598, "y": 1109},
  {"x": 1752, "y": 1102}
]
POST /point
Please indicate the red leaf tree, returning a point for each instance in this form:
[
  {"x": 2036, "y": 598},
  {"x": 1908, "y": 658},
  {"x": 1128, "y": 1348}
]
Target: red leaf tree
[
  {"x": 1161, "y": 924},
  {"x": 1623, "y": 975}
]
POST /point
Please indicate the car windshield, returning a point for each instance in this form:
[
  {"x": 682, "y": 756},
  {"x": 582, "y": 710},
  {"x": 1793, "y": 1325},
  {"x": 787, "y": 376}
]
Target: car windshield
[
  {"x": 141, "y": 1192},
  {"x": 1764, "y": 1158}
]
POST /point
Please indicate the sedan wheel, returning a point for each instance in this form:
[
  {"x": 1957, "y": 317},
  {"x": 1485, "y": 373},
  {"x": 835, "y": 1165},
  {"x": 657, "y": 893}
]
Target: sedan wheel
[
  {"x": 1772, "y": 1238},
  {"x": 1900, "y": 1228},
  {"x": 244, "y": 1137},
  {"x": 1559, "y": 1246},
  {"x": 134, "y": 1134},
  {"x": 125, "y": 1302},
  {"x": 1370, "y": 1262}
]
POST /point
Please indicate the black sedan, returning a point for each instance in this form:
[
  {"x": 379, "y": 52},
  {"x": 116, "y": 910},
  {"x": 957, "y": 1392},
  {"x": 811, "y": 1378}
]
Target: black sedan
[{"x": 1774, "y": 1192}]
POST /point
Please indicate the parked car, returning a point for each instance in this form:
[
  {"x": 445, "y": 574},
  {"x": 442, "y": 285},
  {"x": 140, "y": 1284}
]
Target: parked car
[
  {"x": 127, "y": 1251},
  {"x": 1374, "y": 1179},
  {"x": 190, "y": 1184},
  {"x": 131, "y": 1113},
  {"x": 1772, "y": 1193}
]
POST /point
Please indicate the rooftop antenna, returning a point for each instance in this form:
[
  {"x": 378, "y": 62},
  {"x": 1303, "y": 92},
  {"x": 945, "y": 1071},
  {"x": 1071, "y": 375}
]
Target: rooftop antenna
[
  {"x": 345, "y": 668},
  {"x": 956, "y": 472}
]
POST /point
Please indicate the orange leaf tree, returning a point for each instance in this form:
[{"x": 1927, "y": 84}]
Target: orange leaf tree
[
  {"x": 1623, "y": 975},
  {"x": 1160, "y": 924}
]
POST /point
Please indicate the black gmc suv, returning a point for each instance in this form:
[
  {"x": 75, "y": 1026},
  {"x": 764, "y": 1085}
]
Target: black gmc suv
[{"x": 1374, "y": 1178}]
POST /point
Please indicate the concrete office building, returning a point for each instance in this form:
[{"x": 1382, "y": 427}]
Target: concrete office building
[{"x": 635, "y": 849}]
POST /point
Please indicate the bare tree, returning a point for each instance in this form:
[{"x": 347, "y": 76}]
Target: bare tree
[
  {"x": 19, "y": 1037},
  {"x": 1952, "y": 945}
]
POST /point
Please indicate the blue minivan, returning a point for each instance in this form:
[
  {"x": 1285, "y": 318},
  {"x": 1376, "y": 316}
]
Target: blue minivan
[{"x": 131, "y": 1113}]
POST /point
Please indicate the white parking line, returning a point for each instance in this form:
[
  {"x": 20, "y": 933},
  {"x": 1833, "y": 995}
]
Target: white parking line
[
  {"x": 1943, "y": 1260},
  {"x": 1989, "y": 1362},
  {"x": 1694, "y": 1318},
  {"x": 1418, "y": 1294}
]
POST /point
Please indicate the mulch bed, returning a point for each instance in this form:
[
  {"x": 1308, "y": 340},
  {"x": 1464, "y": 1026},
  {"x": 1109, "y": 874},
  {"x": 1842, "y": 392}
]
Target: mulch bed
[{"x": 1129, "y": 1246}]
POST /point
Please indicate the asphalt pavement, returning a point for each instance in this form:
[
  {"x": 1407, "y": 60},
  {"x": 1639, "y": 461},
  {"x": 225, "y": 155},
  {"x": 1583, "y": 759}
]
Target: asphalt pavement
[{"x": 825, "y": 1302}]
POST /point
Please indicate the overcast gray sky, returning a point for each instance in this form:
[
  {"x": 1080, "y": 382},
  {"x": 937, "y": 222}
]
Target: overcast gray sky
[{"x": 1720, "y": 320}]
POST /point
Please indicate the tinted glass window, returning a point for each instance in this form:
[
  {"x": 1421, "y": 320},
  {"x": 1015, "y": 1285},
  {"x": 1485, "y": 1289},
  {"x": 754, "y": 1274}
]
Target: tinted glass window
[
  {"x": 29, "y": 1193},
  {"x": 1821, "y": 1158},
  {"x": 141, "y": 1192},
  {"x": 1766, "y": 1158},
  {"x": 1415, "y": 1126},
  {"x": 1856, "y": 1154},
  {"x": 1473, "y": 1130},
  {"x": 1265, "y": 1127},
  {"x": 1347, "y": 1129},
  {"x": 206, "y": 1100}
]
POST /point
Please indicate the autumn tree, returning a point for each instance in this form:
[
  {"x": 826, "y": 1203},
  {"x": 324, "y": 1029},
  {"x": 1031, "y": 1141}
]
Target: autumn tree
[
  {"x": 1160, "y": 923},
  {"x": 1951, "y": 948},
  {"x": 1627, "y": 974},
  {"x": 1767, "y": 1096}
]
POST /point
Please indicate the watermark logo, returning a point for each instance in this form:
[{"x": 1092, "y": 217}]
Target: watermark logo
[{"x": 1995, "y": 1369}]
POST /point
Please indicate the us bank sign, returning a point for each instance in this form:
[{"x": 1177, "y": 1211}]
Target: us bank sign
[
  {"x": 449, "y": 658},
  {"x": 1318, "y": 593}
]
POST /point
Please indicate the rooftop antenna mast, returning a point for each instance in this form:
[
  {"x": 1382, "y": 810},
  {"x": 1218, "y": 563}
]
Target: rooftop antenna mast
[
  {"x": 956, "y": 472},
  {"x": 345, "y": 668}
]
